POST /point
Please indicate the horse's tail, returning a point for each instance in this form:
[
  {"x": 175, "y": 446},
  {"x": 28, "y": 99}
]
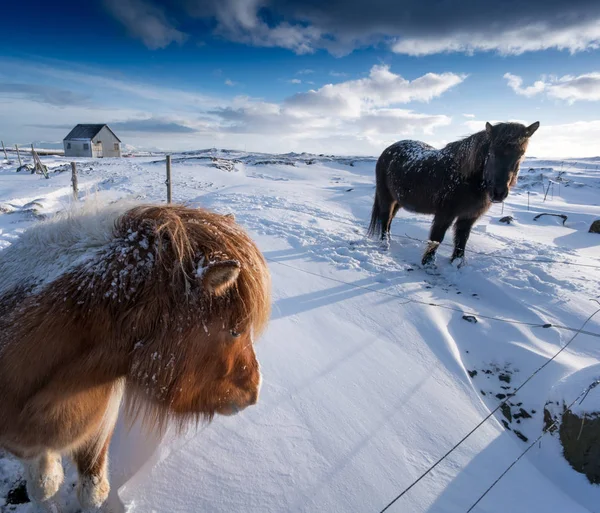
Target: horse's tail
[{"x": 375, "y": 227}]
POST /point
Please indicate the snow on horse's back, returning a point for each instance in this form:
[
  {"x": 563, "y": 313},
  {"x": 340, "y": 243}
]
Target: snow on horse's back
[{"x": 53, "y": 246}]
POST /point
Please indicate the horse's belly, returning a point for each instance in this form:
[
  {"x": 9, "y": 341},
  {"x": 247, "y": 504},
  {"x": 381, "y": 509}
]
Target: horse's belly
[
  {"x": 412, "y": 190},
  {"x": 415, "y": 200},
  {"x": 418, "y": 208}
]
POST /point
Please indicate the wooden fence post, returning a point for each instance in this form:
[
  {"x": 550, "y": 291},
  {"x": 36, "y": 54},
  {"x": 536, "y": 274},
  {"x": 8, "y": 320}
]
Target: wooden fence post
[
  {"x": 4, "y": 149},
  {"x": 168, "y": 182},
  {"x": 74, "y": 180},
  {"x": 33, "y": 159},
  {"x": 547, "y": 189},
  {"x": 37, "y": 164},
  {"x": 18, "y": 155}
]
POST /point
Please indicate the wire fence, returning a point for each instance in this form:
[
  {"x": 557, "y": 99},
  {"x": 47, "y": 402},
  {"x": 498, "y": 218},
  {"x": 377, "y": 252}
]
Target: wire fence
[
  {"x": 546, "y": 429},
  {"x": 408, "y": 300},
  {"x": 487, "y": 417}
]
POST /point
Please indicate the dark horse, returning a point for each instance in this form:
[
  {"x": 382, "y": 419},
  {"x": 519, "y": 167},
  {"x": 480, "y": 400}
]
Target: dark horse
[{"x": 458, "y": 182}]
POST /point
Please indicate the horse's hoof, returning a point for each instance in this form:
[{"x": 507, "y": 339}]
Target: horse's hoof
[
  {"x": 428, "y": 261},
  {"x": 458, "y": 262},
  {"x": 92, "y": 492}
]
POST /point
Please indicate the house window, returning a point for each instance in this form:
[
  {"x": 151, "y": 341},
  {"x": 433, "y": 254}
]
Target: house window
[
  {"x": 68, "y": 146},
  {"x": 116, "y": 146},
  {"x": 86, "y": 146}
]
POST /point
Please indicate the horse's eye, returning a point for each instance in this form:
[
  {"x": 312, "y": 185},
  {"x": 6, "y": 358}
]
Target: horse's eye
[{"x": 235, "y": 334}]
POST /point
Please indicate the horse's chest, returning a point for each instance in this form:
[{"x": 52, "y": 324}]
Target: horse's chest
[{"x": 460, "y": 197}]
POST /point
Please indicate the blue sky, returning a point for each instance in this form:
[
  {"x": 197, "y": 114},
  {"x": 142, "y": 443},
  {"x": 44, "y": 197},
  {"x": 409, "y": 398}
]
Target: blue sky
[{"x": 344, "y": 77}]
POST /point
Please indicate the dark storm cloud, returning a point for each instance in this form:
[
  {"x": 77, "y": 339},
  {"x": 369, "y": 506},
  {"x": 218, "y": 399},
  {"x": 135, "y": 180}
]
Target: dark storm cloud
[{"x": 412, "y": 26}]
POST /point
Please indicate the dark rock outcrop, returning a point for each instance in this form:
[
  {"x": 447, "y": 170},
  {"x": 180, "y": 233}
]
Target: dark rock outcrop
[{"x": 580, "y": 438}]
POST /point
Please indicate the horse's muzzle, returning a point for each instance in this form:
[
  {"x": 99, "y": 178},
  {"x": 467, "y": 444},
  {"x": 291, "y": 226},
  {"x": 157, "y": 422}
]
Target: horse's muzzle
[
  {"x": 498, "y": 196},
  {"x": 230, "y": 410},
  {"x": 234, "y": 408}
]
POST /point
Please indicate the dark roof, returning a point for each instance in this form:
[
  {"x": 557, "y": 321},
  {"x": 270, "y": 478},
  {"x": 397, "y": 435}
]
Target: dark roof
[{"x": 87, "y": 132}]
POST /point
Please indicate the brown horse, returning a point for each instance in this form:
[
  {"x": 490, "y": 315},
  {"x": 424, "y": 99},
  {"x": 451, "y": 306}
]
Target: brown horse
[
  {"x": 161, "y": 303},
  {"x": 457, "y": 183}
]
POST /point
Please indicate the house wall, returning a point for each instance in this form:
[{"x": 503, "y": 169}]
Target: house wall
[
  {"x": 77, "y": 148},
  {"x": 111, "y": 147}
]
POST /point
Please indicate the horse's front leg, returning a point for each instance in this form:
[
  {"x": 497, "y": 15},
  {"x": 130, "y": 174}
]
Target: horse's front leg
[
  {"x": 439, "y": 228},
  {"x": 92, "y": 466},
  {"x": 44, "y": 475},
  {"x": 462, "y": 230}
]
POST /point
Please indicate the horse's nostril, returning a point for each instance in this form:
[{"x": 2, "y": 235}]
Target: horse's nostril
[{"x": 499, "y": 194}]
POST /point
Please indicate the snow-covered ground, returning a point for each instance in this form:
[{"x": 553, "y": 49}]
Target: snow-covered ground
[{"x": 363, "y": 389}]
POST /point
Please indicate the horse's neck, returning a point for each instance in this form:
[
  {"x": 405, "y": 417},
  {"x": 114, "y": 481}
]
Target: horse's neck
[{"x": 470, "y": 156}]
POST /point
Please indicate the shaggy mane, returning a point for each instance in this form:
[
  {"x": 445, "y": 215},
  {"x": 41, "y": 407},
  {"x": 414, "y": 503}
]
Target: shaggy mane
[
  {"x": 185, "y": 240},
  {"x": 185, "y": 237},
  {"x": 470, "y": 153}
]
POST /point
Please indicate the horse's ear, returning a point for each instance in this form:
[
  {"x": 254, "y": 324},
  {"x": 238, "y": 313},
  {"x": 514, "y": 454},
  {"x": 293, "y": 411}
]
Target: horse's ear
[
  {"x": 488, "y": 128},
  {"x": 532, "y": 128},
  {"x": 218, "y": 277}
]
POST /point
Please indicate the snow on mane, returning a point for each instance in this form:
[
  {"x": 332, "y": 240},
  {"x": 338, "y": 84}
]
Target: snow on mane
[{"x": 51, "y": 247}]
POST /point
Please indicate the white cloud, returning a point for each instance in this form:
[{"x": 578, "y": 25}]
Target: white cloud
[
  {"x": 146, "y": 22},
  {"x": 569, "y": 88},
  {"x": 230, "y": 83},
  {"x": 380, "y": 89},
  {"x": 469, "y": 115},
  {"x": 583, "y": 87},
  {"x": 363, "y": 109},
  {"x": 516, "y": 84},
  {"x": 295, "y": 81},
  {"x": 533, "y": 37},
  {"x": 305, "y": 71}
]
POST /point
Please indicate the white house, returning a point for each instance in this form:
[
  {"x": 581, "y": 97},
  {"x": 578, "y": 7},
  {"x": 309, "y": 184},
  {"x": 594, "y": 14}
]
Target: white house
[{"x": 92, "y": 141}]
